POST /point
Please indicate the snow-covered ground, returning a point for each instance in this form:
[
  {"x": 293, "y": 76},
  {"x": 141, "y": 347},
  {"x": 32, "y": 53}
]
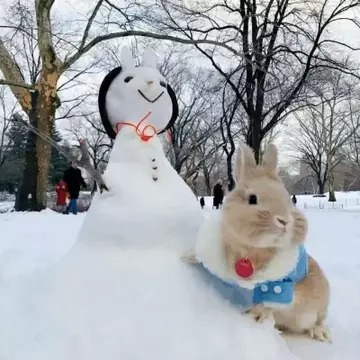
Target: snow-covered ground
[
  {"x": 6, "y": 206},
  {"x": 30, "y": 244}
]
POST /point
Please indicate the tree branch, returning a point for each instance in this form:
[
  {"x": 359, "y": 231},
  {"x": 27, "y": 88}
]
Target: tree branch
[
  {"x": 16, "y": 84},
  {"x": 14, "y": 78},
  {"x": 72, "y": 59},
  {"x": 47, "y": 51},
  {"x": 89, "y": 24}
]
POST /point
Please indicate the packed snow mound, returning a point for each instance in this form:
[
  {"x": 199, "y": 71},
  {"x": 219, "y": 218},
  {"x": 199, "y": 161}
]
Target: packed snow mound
[
  {"x": 31, "y": 326},
  {"x": 138, "y": 211},
  {"x": 121, "y": 291},
  {"x": 104, "y": 302}
]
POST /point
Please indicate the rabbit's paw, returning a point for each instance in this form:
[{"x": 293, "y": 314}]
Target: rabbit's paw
[
  {"x": 281, "y": 328},
  {"x": 260, "y": 313},
  {"x": 320, "y": 333}
]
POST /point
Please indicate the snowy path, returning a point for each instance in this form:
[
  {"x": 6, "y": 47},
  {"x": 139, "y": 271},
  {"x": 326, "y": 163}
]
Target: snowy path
[{"x": 35, "y": 241}]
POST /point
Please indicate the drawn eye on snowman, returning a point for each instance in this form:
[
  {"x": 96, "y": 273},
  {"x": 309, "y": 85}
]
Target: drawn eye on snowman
[{"x": 128, "y": 79}]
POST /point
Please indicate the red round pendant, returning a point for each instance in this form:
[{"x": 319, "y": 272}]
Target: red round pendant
[{"x": 244, "y": 268}]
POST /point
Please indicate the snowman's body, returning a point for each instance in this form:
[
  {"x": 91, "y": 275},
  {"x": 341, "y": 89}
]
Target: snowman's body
[{"x": 148, "y": 204}]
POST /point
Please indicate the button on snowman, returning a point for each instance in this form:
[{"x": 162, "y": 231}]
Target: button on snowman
[{"x": 148, "y": 203}]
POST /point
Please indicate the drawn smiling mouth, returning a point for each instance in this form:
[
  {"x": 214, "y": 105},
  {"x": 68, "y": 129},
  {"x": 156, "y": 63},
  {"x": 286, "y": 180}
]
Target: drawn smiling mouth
[{"x": 147, "y": 99}]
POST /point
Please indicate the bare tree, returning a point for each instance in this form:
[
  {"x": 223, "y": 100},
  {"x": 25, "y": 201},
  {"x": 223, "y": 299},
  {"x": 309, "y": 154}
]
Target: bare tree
[
  {"x": 192, "y": 130},
  {"x": 273, "y": 46},
  {"x": 352, "y": 146},
  {"x": 197, "y": 121},
  {"x": 212, "y": 168},
  {"x": 203, "y": 157},
  {"x": 276, "y": 44},
  {"x": 324, "y": 130},
  {"x": 54, "y": 51},
  {"x": 233, "y": 128},
  {"x": 6, "y": 113}
]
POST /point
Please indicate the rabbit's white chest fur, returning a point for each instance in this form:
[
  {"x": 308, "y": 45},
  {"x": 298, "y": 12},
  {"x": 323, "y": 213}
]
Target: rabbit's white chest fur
[{"x": 210, "y": 252}]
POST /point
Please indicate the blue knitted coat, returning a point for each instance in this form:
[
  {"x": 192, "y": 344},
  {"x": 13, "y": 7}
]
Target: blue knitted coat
[{"x": 280, "y": 291}]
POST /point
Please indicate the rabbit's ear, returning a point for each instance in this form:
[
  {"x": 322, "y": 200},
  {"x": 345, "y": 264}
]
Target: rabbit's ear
[
  {"x": 127, "y": 60},
  {"x": 149, "y": 58},
  {"x": 270, "y": 159},
  {"x": 244, "y": 161}
]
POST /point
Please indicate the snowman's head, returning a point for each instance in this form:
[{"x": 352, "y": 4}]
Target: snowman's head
[{"x": 129, "y": 92}]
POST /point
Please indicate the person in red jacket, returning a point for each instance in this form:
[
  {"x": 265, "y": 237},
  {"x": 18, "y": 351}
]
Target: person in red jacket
[{"x": 61, "y": 191}]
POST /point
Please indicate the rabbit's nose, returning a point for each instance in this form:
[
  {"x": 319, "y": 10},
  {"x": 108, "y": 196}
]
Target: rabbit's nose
[{"x": 150, "y": 82}]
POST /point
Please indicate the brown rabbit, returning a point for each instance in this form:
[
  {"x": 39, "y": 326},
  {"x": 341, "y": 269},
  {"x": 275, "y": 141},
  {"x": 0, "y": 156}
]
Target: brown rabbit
[{"x": 260, "y": 238}]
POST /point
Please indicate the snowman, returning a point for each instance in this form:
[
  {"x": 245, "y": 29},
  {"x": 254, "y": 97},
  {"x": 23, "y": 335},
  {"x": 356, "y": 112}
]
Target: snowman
[
  {"x": 148, "y": 203},
  {"x": 122, "y": 290}
]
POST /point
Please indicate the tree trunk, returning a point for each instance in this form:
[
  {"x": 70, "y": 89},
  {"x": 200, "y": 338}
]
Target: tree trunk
[
  {"x": 321, "y": 185},
  {"x": 231, "y": 181},
  {"x": 194, "y": 183},
  {"x": 46, "y": 116},
  {"x": 33, "y": 188},
  {"x": 332, "y": 196},
  {"x": 207, "y": 181},
  {"x": 176, "y": 151},
  {"x": 177, "y": 166},
  {"x": 26, "y": 195},
  {"x": 254, "y": 137}
]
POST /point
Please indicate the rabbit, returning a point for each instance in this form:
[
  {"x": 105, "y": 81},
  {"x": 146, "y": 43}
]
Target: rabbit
[{"x": 259, "y": 239}]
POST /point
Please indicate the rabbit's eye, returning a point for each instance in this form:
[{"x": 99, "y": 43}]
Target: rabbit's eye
[
  {"x": 162, "y": 83},
  {"x": 252, "y": 200},
  {"x": 128, "y": 78}
]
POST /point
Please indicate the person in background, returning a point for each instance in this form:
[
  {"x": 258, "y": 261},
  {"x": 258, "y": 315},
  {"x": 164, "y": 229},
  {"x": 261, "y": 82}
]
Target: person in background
[
  {"x": 74, "y": 180},
  {"x": 202, "y": 202},
  {"x": 294, "y": 200},
  {"x": 218, "y": 194},
  {"x": 61, "y": 192}
]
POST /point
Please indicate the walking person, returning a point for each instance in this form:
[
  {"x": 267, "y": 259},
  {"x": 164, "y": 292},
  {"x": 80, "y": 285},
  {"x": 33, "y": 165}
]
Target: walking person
[
  {"x": 294, "y": 200},
  {"x": 218, "y": 194},
  {"x": 74, "y": 180}
]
